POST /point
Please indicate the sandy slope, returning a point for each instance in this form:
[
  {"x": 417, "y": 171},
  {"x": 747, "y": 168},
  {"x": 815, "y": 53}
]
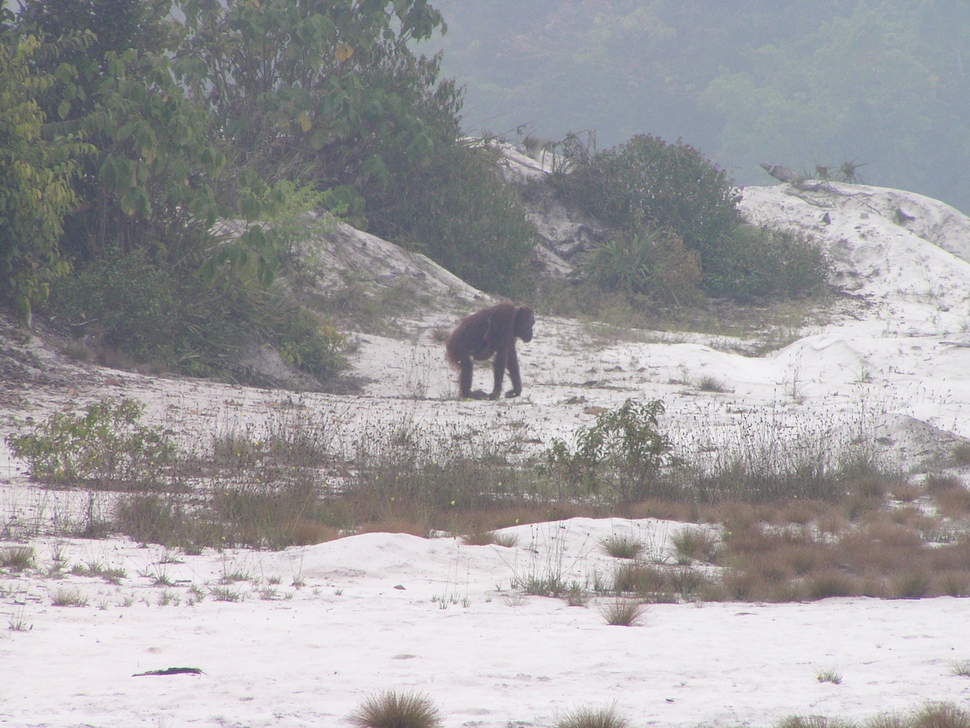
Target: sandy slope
[{"x": 896, "y": 369}]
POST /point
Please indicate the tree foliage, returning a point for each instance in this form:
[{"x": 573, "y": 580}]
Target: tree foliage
[{"x": 35, "y": 182}]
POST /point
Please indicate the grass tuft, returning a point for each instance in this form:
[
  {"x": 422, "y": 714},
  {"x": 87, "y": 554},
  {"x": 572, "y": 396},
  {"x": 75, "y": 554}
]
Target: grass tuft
[
  {"x": 694, "y": 544},
  {"x": 829, "y": 676},
  {"x": 17, "y": 558},
  {"x": 622, "y": 612},
  {"x": 68, "y": 598},
  {"x": 397, "y": 710},
  {"x": 622, "y": 546},
  {"x": 593, "y": 718}
]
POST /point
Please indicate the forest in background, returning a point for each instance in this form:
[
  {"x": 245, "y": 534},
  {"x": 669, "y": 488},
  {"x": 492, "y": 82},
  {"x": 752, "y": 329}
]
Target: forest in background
[{"x": 877, "y": 83}]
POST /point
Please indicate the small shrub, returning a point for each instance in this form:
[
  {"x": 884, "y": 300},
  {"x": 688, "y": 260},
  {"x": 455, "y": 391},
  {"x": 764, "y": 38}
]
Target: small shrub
[
  {"x": 17, "y": 558},
  {"x": 754, "y": 263},
  {"x": 961, "y": 453},
  {"x": 830, "y": 584},
  {"x": 576, "y": 595},
  {"x": 688, "y": 583},
  {"x": 593, "y": 718},
  {"x": 397, "y": 710},
  {"x": 620, "y": 458},
  {"x": 622, "y": 546},
  {"x": 911, "y": 585},
  {"x": 104, "y": 447},
  {"x": 622, "y": 612},
  {"x": 711, "y": 384},
  {"x": 225, "y": 594}
]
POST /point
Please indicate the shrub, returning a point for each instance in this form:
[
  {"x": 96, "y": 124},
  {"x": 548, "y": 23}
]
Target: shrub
[
  {"x": 155, "y": 313},
  {"x": 642, "y": 580},
  {"x": 652, "y": 262},
  {"x": 687, "y": 208},
  {"x": 694, "y": 544},
  {"x": 397, "y": 710},
  {"x": 647, "y": 180},
  {"x": 620, "y": 458},
  {"x": 753, "y": 263},
  {"x": 941, "y": 715},
  {"x": 104, "y": 447}
]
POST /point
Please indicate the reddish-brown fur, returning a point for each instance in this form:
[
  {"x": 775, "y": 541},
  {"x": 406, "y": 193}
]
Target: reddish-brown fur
[{"x": 490, "y": 332}]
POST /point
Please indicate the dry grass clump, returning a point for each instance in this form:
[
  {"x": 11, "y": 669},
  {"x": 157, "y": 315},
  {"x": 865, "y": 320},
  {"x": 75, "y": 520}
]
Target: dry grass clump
[
  {"x": 64, "y": 597},
  {"x": 932, "y": 715},
  {"x": 397, "y": 710},
  {"x": 878, "y": 557},
  {"x": 952, "y": 499},
  {"x": 694, "y": 544},
  {"x": 622, "y": 546},
  {"x": 622, "y": 612},
  {"x": 647, "y": 582},
  {"x": 593, "y": 718},
  {"x": 17, "y": 558}
]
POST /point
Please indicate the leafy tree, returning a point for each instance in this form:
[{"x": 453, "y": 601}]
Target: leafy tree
[
  {"x": 329, "y": 93},
  {"x": 35, "y": 182},
  {"x": 149, "y": 184}
]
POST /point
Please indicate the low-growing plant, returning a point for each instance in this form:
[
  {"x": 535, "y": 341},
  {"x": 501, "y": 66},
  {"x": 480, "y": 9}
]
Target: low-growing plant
[
  {"x": 104, "y": 447},
  {"x": 694, "y": 544},
  {"x": 17, "y": 558},
  {"x": 622, "y": 546},
  {"x": 392, "y": 709},
  {"x": 829, "y": 675},
  {"x": 641, "y": 579},
  {"x": 593, "y": 718},
  {"x": 17, "y": 621},
  {"x": 225, "y": 594},
  {"x": 64, "y": 597},
  {"x": 622, "y": 612},
  {"x": 652, "y": 262},
  {"x": 960, "y": 668},
  {"x": 941, "y": 715}
]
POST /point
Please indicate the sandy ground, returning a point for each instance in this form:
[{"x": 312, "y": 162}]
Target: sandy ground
[{"x": 317, "y": 629}]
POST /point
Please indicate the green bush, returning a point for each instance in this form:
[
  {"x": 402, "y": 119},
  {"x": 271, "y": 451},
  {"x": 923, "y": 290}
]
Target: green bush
[
  {"x": 653, "y": 262},
  {"x": 104, "y": 447},
  {"x": 758, "y": 262},
  {"x": 152, "y": 313},
  {"x": 647, "y": 180},
  {"x": 620, "y": 458},
  {"x": 646, "y": 185}
]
